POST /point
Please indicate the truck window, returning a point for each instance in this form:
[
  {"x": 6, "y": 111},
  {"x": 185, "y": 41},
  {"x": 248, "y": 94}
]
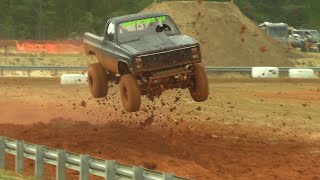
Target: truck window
[
  {"x": 135, "y": 29},
  {"x": 298, "y": 32},
  {"x": 110, "y": 32}
]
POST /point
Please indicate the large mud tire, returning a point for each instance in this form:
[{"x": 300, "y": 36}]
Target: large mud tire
[
  {"x": 98, "y": 81},
  {"x": 130, "y": 93},
  {"x": 200, "y": 90}
]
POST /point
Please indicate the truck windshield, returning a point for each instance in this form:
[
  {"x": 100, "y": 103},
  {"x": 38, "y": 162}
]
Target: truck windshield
[
  {"x": 134, "y": 30},
  {"x": 278, "y": 32},
  {"x": 315, "y": 35}
]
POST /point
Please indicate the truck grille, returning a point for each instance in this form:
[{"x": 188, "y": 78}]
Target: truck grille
[{"x": 167, "y": 59}]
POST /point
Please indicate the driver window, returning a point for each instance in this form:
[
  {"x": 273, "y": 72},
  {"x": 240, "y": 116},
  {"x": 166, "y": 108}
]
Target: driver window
[{"x": 110, "y": 32}]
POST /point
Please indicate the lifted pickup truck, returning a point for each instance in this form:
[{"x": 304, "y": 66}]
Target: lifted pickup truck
[{"x": 147, "y": 54}]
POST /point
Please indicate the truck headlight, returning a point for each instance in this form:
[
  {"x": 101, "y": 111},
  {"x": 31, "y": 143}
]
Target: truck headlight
[
  {"x": 138, "y": 62},
  {"x": 195, "y": 52},
  {"x": 194, "y": 56}
]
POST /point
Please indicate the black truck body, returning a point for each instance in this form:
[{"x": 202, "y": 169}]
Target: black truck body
[{"x": 150, "y": 49}]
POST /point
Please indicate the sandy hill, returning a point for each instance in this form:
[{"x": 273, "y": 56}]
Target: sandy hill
[{"x": 227, "y": 37}]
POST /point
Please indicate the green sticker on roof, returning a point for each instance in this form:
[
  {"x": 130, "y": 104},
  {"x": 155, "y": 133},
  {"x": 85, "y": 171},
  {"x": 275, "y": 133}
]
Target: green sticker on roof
[{"x": 144, "y": 21}]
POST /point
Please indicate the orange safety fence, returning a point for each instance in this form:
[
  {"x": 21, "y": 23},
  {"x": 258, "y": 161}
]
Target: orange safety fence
[{"x": 47, "y": 47}]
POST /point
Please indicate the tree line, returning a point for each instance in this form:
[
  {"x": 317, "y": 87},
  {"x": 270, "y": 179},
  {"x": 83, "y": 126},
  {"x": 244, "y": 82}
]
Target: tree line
[{"x": 60, "y": 19}]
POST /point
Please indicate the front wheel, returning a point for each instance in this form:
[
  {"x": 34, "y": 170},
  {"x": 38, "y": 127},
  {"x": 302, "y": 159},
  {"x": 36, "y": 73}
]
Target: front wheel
[
  {"x": 130, "y": 93},
  {"x": 200, "y": 89}
]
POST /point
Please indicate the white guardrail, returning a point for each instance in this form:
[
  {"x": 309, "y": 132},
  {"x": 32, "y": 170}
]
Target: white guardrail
[{"x": 84, "y": 164}]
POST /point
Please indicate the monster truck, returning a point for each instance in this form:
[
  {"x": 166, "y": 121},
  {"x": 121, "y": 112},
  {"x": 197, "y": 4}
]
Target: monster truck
[{"x": 146, "y": 54}]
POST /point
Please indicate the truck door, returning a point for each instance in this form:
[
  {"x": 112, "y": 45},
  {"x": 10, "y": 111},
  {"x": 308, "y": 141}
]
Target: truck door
[{"x": 108, "y": 49}]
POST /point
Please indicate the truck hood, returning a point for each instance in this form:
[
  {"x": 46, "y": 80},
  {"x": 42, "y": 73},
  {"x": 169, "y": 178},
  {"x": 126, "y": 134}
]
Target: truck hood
[{"x": 157, "y": 43}]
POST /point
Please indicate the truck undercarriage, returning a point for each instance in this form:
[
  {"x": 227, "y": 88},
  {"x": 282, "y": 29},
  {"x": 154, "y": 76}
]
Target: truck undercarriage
[{"x": 153, "y": 85}]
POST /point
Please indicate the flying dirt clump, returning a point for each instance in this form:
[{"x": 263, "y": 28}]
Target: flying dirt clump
[
  {"x": 227, "y": 37},
  {"x": 148, "y": 121},
  {"x": 150, "y": 165},
  {"x": 83, "y": 103}
]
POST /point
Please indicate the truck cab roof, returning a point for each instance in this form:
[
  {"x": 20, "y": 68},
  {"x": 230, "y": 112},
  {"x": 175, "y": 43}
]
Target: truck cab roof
[
  {"x": 304, "y": 30},
  {"x": 269, "y": 24}
]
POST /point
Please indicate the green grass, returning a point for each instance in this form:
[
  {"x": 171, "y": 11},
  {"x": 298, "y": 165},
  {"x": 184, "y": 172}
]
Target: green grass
[{"x": 8, "y": 175}]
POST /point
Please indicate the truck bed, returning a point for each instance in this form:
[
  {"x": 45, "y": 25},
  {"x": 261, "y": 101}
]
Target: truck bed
[{"x": 94, "y": 42}]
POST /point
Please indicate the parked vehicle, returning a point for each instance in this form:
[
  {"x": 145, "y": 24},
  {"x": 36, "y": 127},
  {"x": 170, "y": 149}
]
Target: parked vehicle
[
  {"x": 296, "y": 41},
  {"x": 278, "y": 31},
  {"x": 312, "y": 38},
  {"x": 146, "y": 54}
]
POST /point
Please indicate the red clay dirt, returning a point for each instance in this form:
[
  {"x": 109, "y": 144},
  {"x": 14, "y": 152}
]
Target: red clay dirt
[{"x": 241, "y": 132}]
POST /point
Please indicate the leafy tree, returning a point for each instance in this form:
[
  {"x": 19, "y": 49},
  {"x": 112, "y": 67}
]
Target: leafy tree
[{"x": 55, "y": 19}]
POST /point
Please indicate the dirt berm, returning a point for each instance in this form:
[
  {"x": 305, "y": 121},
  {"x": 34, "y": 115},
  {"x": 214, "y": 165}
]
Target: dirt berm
[{"x": 227, "y": 37}]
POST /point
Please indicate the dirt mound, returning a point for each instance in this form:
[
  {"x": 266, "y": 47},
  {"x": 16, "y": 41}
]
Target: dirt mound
[{"x": 227, "y": 37}]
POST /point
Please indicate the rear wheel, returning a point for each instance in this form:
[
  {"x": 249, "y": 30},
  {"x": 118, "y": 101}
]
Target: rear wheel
[
  {"x": 98, "y": 81},
  {"x": 200, "y": 90},
  {"x": 130, "y": 93}
]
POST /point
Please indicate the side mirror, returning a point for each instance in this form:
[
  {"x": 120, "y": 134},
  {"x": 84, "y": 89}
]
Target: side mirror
[{"x": 109, "y": 38}]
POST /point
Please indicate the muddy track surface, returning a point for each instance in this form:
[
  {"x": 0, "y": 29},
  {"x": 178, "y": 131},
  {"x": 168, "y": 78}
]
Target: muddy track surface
[{"x": 246, "y": 130}]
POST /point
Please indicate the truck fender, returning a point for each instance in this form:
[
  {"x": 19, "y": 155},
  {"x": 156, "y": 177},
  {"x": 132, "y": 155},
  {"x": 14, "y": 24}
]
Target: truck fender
[{"x": 123, "y": 67}]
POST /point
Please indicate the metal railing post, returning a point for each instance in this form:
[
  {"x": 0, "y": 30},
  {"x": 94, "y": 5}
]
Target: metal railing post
[
  {"x": 19, "y": 157},
  {"x": 84, "y": 167},
  {"x": 110, "y": 170},
  {"x": 2, "y": 153},
  {"x": 61, "y": 165},
  {"x": 39, "y": 162},
  {"x": 138, "y": 173},
  {"x": 168, "y": 176}
]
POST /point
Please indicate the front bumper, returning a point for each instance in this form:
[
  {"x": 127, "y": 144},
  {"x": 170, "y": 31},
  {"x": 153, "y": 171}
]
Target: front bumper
[
  {"x": 177, "y": 72},
  {"x": 164, "y": 60}
]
